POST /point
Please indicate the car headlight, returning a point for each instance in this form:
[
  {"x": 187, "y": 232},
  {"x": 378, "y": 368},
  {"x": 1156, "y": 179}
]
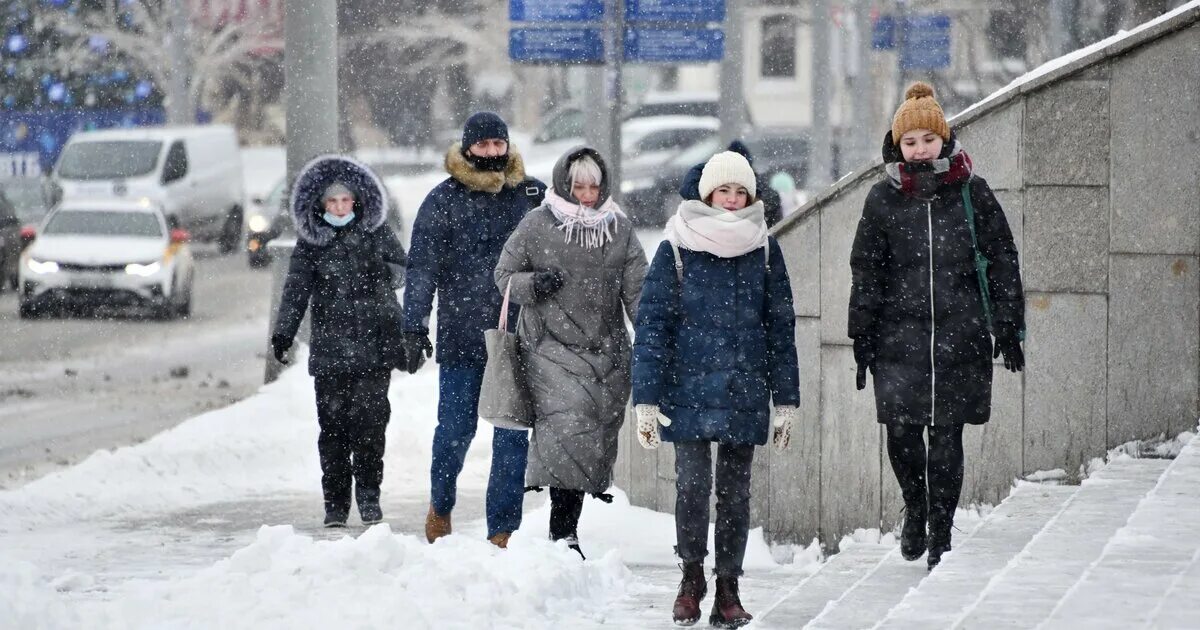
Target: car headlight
[
  {"x": 258, "y": 223},
  {"x": 38, "y": 266},
  {"x": 632, "y": 185},
  {"x": 135, "y": 269}
]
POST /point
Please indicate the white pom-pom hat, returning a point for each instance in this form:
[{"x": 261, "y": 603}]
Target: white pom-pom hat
[{"x": 727, "y": 167}]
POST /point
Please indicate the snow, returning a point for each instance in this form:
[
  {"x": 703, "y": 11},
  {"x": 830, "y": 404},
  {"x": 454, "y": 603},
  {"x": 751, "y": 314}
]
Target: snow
[
  {"x": 144, "y": 536},
  {"x": 1059, "y": 62}
]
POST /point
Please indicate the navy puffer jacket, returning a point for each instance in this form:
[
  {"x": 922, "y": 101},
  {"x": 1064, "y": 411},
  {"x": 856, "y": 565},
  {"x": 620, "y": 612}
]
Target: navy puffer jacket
[
  {"x": 457, "y": 238},
  {"x": 715, "y": 353}
]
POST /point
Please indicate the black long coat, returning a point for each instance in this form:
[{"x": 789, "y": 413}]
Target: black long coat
[
  {"x": 915, "y": 287},
  {"x": 342, "y": 272}
]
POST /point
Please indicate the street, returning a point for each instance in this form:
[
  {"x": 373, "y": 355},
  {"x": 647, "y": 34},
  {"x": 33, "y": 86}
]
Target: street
[{"x": 74, "y": 384}]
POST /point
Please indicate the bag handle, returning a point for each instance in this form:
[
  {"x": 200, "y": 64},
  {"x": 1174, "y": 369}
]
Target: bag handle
[
  {"x": 981, "y": 261},
  {"x": 503, "y": 324}
]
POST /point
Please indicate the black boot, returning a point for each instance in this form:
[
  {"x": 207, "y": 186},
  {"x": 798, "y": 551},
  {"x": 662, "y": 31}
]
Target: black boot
[
  {"x": 368, "y": 505},
  {"x": 912, "y": 535},
  {"x": 727, "y": 611},
  {"x": 335, "y": 518},
  {"x": 940, "y": 525},
  {"x": 692, "y": 589}
]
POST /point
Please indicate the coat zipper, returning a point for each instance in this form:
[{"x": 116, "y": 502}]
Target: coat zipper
[{"x": 932, "y": 326}]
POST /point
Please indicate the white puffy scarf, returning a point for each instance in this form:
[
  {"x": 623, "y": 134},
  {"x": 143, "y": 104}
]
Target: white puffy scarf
[
  {"x": 590, "y": 227},
  {"x": 700, "y": 227}
]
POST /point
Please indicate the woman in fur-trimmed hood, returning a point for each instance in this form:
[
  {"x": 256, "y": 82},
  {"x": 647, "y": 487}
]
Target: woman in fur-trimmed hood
[
  {"x": 457, "y": 237},
  {"x": 339, "y": 270}
]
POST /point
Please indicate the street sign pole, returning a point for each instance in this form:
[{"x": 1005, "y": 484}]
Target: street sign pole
[
  {"x": 820, "y": 161},
  {"x": 731, "y": 106},
  {"x": 615, "y": 23}
]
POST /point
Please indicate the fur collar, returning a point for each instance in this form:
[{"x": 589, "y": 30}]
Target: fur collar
[{"x": 459, "y": 168}]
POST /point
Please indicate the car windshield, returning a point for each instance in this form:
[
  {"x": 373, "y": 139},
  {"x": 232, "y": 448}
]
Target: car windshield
[
  {"x": 103, "y": 223},
  {"x": 109, "y": 159},
  {"x": 682, "y": 108},
  {"x": 699, "y": 152}
]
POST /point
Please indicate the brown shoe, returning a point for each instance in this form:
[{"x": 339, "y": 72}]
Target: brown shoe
[
  {"x": 727, "y": 611},
  {"x": 501, "y": 539},
  {"x": 436, "y": 525},
  {"x": 692, "y": 588}
]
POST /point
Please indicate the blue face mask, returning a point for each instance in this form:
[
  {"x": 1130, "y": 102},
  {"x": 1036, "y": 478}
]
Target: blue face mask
[{"x": 337, "y": 221}]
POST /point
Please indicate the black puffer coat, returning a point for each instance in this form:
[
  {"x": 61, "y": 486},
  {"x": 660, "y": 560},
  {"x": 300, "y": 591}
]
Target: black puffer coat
[
  {"x": 915, "y": 288},
  {"x": 342, "y": 271}
]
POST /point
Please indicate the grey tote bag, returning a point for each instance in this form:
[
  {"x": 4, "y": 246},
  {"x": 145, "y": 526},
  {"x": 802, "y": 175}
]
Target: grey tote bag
[{"x": 504, "y": 398}]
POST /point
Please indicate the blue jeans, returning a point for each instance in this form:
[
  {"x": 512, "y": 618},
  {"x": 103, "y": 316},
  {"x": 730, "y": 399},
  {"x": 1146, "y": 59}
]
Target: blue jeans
[{"x": 458, "y": 402}]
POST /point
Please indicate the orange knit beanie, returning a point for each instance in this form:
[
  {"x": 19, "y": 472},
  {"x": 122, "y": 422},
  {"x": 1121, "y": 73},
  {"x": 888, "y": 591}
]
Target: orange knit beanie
[{"x": 919, "y": 111}]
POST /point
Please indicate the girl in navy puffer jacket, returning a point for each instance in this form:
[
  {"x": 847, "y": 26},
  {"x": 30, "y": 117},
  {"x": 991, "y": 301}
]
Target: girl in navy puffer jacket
[{"x": 715, "y": 349}]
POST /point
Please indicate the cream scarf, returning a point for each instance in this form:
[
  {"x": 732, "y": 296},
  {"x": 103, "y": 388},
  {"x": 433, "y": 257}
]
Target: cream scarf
[
  {"x": 700, "y": 227},
  {"x": 590, "y": 227}
]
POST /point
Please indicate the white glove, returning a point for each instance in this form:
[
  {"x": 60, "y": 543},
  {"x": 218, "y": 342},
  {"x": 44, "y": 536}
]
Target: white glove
[
  {"x": 784, "y": 416},
  {"x": 648, "y": 419}
]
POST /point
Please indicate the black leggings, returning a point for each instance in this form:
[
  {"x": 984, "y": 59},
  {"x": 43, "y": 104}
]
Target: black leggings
[
  {"x": 565, "y": 508},
  {"x": 943, "y": 464}
]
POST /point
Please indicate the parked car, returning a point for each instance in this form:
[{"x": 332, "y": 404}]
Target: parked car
[
  {"x": 692, "y": 104},
  {"x": 650, "y": 188},
  {"x": 261, "y": 224},
  {"x": 107, "y": 252},
  {"x": 10, "y": 244},
  {"x": 192, "y": 173}
]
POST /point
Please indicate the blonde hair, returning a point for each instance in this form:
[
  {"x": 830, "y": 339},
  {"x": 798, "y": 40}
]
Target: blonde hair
[{"x": 585, "y": 170}]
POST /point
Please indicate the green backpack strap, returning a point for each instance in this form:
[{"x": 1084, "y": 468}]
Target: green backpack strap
[{"x": 981, "y": 261}]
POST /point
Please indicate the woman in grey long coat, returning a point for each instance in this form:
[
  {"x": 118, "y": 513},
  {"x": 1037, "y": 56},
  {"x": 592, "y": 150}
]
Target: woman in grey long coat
[{"x": 576, "y": 267}]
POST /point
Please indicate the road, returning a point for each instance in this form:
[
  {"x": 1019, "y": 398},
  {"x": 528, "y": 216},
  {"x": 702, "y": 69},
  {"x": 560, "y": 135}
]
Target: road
[{"x": 72, "y": 385}]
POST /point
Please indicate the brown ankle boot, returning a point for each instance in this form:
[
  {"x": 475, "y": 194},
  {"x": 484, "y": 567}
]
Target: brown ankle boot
[
  {"x": 692, "y": 588},
  {"x": 501, "y": 539},
  {"x": 436, "y": 525},
  {"x": 727, "y": 611}
]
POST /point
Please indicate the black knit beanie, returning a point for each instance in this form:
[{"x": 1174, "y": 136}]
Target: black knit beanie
[{"x": 481, "y": 126}]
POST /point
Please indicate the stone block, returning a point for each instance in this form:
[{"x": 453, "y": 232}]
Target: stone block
[
  {"x": 993, "y": 451},
  {"x": 1066, "y": 134},
  {"x": 795, "y": 474},
  {"x": 1153, "y": 349},
  {"x": 621, "y": 465},
  {"x": 839, "y": 222},
  {"x": 1066, "y": 239},
  {"x": 850, "y": 472},
  {"x": 1013, "y": 203},
  {"x": 1065, "y": 380},
  {"x": 801, "y": 245},
  {"x": 1156, "y": 148},
  {"x": 643, "y": 470},
  {"x": 665, "y": 479},
  {"x": 994, "y": 144},
  {"x": 760, "y": 486}
]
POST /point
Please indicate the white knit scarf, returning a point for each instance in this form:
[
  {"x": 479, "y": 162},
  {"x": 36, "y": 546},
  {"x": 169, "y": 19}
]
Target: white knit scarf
[
  {"x": 590, "y": 227},
  {"x": 700, "y": 227}
]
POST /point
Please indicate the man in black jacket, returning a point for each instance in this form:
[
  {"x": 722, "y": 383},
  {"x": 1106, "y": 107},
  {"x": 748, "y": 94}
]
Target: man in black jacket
[{"x": 339, "y": 266}]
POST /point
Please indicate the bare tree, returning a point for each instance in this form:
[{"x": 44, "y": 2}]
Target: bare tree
[{"x": 215, "y": 49}]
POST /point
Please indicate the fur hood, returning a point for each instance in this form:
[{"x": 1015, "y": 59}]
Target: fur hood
[
  {"x": 459, "y": 168},
  {"x": 370, "y": 196}
]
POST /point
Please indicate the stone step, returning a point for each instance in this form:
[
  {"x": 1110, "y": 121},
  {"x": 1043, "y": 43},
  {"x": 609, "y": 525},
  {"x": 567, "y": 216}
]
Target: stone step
[
  {"x": 1148, "y": 569},
  {"x": 1027, "y": 590},
  {"x": 806, "y": 600},
  {"x": 963, "y": 572}
]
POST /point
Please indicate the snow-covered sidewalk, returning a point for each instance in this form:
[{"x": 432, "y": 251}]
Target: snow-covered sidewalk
[{"x": 216, "y": 523}]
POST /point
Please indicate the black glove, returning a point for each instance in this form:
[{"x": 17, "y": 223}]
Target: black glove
[
  {"x": 279, "y": 347},
  {"x": 864, "y": 356},
  {"x": 1008, "y": 343},
  {"x": 547, "y": 283},
  {"x": 416, "y": 348}
]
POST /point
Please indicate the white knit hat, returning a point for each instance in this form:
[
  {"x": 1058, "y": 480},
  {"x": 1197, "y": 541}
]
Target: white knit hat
[{"x": 727, "y": 168}]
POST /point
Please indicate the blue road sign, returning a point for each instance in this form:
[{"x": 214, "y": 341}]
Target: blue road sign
[
  {"x": 674, "y": 44},
  {"x": 883, "y": 33},
  {"x": 556, "y": 10},
  {"x": 925, "y": 42},
  {"x": 675, "y": 10},
  {"x": 556, "y": 45}
]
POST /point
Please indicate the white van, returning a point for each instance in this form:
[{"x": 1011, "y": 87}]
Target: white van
[{"x": 193, "y": 173}]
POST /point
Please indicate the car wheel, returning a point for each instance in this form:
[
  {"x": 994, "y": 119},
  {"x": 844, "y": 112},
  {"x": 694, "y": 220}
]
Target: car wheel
[
  {"x": 26, "y": 311},
  {"x": 231, "y": 232},
  {"x": 184, "y": 310}
]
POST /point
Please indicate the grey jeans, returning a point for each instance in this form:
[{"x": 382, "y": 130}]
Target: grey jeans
[{"x": 694, "y": 472}]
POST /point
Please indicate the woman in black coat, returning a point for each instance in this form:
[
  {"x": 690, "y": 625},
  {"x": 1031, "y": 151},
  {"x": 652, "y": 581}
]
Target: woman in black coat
[
  {"x": 919, "y": 315},
  {"x": 340, "y": 264}
]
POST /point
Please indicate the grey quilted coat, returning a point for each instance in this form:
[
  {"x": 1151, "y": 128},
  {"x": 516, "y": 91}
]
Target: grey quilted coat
[{"x": 574, "y": 343}]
